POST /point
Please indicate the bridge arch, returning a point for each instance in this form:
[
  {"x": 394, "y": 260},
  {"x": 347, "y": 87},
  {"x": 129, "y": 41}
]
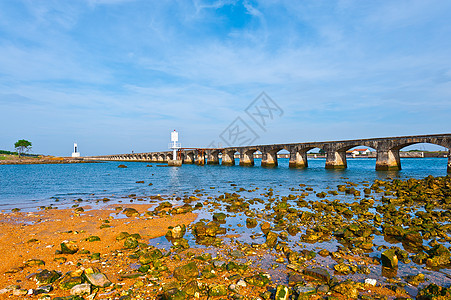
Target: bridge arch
[
  {"x": 247, "y": 156},
  {"x": 388, "y": 157}
]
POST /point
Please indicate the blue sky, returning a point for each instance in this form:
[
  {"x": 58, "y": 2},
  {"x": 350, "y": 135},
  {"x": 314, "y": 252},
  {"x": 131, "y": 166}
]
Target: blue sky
[{"x": 119, "y": 75}]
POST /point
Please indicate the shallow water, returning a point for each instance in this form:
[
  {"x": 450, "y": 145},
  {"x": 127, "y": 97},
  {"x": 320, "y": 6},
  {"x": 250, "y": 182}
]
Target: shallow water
[{"x": 28, "y": 186}]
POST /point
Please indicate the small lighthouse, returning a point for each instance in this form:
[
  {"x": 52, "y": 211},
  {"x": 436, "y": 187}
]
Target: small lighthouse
[
  {"x": 75, "y": 153},
  {"x": 174, "y": 145}
]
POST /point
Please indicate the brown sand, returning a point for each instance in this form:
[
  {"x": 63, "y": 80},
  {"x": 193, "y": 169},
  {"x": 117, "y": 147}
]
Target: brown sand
[{"x": 51, "y": 227}]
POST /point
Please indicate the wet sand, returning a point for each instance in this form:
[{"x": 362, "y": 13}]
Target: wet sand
[{"x": 25, "y": 236}]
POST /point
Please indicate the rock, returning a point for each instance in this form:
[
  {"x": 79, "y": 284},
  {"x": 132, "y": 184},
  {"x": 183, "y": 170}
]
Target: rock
[
  {"x": 20, "y": 292},
  {"x": 81, "y": 289},
  {"x": 173, "y": 294},
  {"x": 282, "y": 293},
  {"x": 323, "y": 288},
  {"x": 389, "y": 258},
  {"x": 9, "y": 288},
  {"x": 415, "y": 280},
  {"x": 259, "y": 280},
  {"x": 122, "y": 166},
  {"x": 97, "y": 278},
  {"x": 69, "y": 247},
  {"x": 241, "y": 283},
  {"x": 93, "y": 238},
  {"x": 342, "y": 269},
  {"x": 434, "y": 292},
  {"x": 347, "y": 288},
  {"x": 47, "y": 277},
  {"x": 271, "y": 239},
  {"x": 71, "y": 279},
  {"x": 130, "y": 243},
  {"x": 219, "y": 217},
  {"x": 217, "y": 290},
  {"x": 304, "y": 292},
  {"x": 318, "y": 273},
  {"x": 413, "y": 239},
  {"x": 369, "y": 281},
  {"x": 151, "y": 256},
  {"x": 43, "y": 289},
  {"x": 251, "y": 223},
  {"x": 177, "y": 232},
  {"x": 186, "y": 272},
  {"x": 131, "y": 212},
  {"x": 438, "y": 255},
  {"x": 122, "y": 235},
  {"x": 192, "y": 288},
  {"x": 265, "y": 226},
  {"x": 34, "y": 262}
]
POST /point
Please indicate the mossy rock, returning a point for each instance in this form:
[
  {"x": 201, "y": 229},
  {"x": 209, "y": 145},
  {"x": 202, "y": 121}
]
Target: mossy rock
[
  {"x": 217, "y": 290},
  {"x": 69, "y": 248},
  {"x": 47, "y": 277},
  {"x": 186, "y": 272},
  {"x": 130, "y": 243},
  {"x": 93, "y": 238}
]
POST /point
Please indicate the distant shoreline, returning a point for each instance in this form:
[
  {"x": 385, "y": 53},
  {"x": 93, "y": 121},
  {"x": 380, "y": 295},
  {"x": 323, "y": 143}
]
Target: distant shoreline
[{"x": 43, "y": 160}]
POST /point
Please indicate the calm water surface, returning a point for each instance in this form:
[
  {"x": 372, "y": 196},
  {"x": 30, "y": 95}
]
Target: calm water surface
[{"x": 27, "y": 186}]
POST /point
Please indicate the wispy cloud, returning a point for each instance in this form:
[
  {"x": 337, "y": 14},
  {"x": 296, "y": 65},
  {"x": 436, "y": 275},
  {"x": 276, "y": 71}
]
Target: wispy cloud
[{"x": 118, "y": 69}]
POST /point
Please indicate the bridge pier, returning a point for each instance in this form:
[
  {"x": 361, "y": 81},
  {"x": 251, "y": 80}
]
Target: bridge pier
[
  {"x": 336, "y": 159},
  {"x": 388, "y": 159},
  {"x": 200, "y": 158},
  {"x": 246, "y": 158},
  {"x": 298, "y": 159},
  {"x": 188, "y": 158},
  {"x": 212, "y": 157},
  {"x": 228, "y": 158},
  {"x": 449, "y": 161},
  {"x": 269, "y": 159}
]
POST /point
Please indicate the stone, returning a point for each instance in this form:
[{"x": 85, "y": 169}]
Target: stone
[
  {"x": 81, "y": 289},
  {"x": 130, "y": 243},
  {"x": 43, "y": 289},
  {"x": 304, "y": 292},
  {"x": 318, "y": 273},
  {"x": 259, "y": 280},
  {"x": 69, "y": 248},
  {"x": 271, "y": 239},
  {"x": 177, "y": 232},
  {"x": 97, "y": 278},
  {"x": 217, "y": 290},
  {"x": 47, "y": 277},
  {"x": 191, "y": 288},
  {"x": 389, "y": 258},
  {"x": 34, "y": 262},
  {"x": 282, "y": 293},
  {"x": 173, "y": 294},
  {"x": 71, "y": 279},
  {"x": 131, "y": 212},
  {"x": 93, "y": 238},
  {"x": 342, "y": 269},
  {"x": 151, "y": 256},
  {"x": 186, "y": 272},
  {"x": 348, "y": 289},
  {"x": 122, "y": 235},
  {"x": 434, "y": 292},
  {"x": 219, "y": 217},
  {"x": 370, "y": 281}
]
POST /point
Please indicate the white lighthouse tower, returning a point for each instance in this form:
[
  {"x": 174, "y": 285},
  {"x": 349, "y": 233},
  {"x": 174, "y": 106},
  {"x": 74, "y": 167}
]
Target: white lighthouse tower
[
  {"x": 174, "y": 145},
  {"x": 75, "y": 153}
]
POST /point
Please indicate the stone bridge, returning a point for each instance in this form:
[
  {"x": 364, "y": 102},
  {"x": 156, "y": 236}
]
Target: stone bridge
[{"x": 387, "y": 150}]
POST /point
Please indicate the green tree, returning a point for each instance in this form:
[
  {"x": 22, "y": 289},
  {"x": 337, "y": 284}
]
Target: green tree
[{"x": 22, "y": 146}]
